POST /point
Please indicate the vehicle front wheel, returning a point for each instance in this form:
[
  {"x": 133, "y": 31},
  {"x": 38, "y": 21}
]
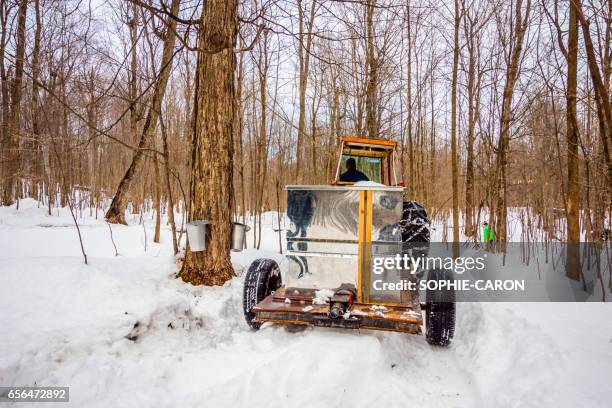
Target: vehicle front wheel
[{"x": 262, "y": 278}]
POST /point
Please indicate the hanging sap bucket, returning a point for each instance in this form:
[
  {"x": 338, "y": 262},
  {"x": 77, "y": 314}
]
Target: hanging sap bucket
[
  {"x": 238, "y": 236},
  {"x": 196, "y": 235}
]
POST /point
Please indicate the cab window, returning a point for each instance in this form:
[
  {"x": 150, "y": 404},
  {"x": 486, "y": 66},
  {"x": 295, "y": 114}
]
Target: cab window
[{"x": 370, "y": 166}]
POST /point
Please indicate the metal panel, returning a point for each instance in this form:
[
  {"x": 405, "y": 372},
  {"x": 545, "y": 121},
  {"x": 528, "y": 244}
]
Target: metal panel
[
  {"x": 323, "y": 241},
  {"x": 386, "y": 241}
]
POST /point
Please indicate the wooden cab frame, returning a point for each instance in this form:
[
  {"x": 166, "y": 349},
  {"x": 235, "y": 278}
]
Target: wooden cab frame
[{"x": 383, "y": 149}]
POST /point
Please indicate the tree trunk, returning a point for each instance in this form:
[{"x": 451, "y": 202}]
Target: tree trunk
[
  {"x": 411, "y": 179},
  {"x": 169, "y": 187},
  {"x": 238, "y": 136},
  {"x": 454, "y": 154},
  {"x": 38, "y": 167},
  {"x": 4, "y": 82},
  {"x": 116, "y": 211},
  {"x": 500, "y": 191},
  {"x": 432, "y": 158},
  {"x": 157, "y": 201},
  {"x": 372, "y": 64},
  {"x": 473, "y": 106},
  {"x": 13, "y": 156},
  {"x": 212, "y": 170},
  {"x": 573, "y": 171},
  {"x": 261, "y": 164},
  {"x": 358, "y": 88},
  {"x": 304, "y": 47},
  {"x": 602, "y": 99}
]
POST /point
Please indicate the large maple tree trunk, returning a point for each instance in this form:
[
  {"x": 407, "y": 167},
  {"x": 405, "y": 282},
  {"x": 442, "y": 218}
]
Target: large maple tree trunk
[{"x": 212, "y": 149}]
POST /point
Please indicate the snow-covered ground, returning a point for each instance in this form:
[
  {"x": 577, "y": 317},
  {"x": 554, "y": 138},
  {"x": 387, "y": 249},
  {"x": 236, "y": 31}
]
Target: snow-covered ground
[{"x": 123, "y": 332}]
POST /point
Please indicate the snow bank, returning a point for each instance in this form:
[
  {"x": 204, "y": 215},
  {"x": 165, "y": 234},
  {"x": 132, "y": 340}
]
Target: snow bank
[{"x": 123, "y": 332}]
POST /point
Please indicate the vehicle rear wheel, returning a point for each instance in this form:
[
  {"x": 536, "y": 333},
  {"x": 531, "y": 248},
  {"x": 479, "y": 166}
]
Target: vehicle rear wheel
[
  {"x": 440, "y": 313},
  {"x": 262, "y": 278},
  {"x": 415, "y": 223}
]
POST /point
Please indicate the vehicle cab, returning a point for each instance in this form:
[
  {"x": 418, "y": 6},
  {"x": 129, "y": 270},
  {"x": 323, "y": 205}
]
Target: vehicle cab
[{"x": 376, "y": 158}]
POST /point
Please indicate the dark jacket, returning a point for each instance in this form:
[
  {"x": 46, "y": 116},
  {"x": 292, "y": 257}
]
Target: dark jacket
[{"x": 353, "y": 176}]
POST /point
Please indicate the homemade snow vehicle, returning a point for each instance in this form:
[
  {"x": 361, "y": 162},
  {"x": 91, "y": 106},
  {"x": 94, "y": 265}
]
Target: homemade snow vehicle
[{"x": 337, "y": 231}]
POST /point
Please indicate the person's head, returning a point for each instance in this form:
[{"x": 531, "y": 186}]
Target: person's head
[
  {"x": 351, "y": 164},
  {"x": 485, "y": 223}
]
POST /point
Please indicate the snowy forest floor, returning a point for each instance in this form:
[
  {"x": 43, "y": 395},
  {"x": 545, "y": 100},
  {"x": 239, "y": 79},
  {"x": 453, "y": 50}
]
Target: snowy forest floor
[{"x": 123, "y": 332}]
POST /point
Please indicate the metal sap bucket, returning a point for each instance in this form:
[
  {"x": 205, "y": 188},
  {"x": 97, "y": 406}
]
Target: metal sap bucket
[
  {"x": 238, "y": 236},
  {"x": 196, "y": 235}
]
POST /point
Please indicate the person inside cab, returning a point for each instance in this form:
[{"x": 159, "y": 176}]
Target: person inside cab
[{"x": 352, "y": 175}]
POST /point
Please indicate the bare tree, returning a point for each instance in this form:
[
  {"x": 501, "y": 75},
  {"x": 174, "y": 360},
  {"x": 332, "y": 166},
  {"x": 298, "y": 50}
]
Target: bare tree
[
  {"x": 515, "y": 54},
  {"x": 454, "y": 153},
  {"x": 602, "y": 98},
  {"x": 12, "y": 139},
  {"x": 304, "y": 50},
  {"x": 372, "y": 65},
  {"x": 115, "y": 213}
]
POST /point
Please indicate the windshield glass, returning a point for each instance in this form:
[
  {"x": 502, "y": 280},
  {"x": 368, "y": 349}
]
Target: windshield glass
[{"x": 370, "y": 166}]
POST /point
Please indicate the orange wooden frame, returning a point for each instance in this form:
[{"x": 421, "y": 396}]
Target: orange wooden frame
[
  {"x": 391, "y": 159},
  {"x": 381, "y": 142}
]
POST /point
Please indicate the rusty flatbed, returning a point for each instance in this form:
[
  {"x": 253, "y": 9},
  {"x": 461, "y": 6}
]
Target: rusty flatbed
[{"x": 295, "y": 306}]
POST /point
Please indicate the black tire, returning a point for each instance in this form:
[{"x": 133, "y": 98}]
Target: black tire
[
  {"x": 414, "y": 228},
  {"x": 262, "y": 278},
  {"x": 440, "y": 313},
  {"x": 415, "y": 223}
]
